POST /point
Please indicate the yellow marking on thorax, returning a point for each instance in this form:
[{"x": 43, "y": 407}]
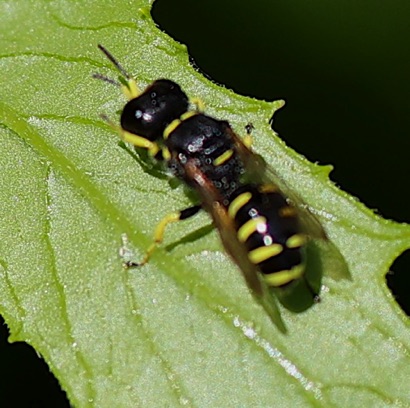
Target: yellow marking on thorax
[
  {"x": 281, "y": 278},
  {"x": 287, "y": 212},
  {"x": 187, "y": 115},
  {"x": 175, "y": 123},
  {"x": 225, "y": 156},
  {"x": 296, "y": 241},
  {"x": 238, "y": 203},
  {"x": 251, "y": 226},
  {"x": 170, "y": 128},
  {"x": 258, "y": 255}
]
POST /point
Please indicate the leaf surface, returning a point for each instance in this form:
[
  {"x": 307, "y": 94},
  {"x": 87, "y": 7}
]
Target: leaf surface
[{"x": 184, "y": 329}]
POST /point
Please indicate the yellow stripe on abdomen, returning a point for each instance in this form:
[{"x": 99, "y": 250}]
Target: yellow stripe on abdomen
[
  {"x": 257, "y": 224},
  {"x": 258, "y": 255},
  {"x": 238, "y": 203},
  {"x": 296, "y": 241},
  {"x": 277, "y": 279}
]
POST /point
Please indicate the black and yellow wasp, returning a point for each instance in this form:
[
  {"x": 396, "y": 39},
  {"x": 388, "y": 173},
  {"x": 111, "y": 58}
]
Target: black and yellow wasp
[{"x": 266, "y": 233}]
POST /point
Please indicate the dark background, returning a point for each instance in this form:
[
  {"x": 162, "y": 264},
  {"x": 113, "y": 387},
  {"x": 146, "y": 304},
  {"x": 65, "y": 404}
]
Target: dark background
[{"x": 344, "y": 70}]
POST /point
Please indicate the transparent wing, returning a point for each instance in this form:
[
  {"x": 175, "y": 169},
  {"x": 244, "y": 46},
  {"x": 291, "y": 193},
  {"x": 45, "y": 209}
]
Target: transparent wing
[
  {"x": 212, "y": 203},
  {"x": 327, "y": 255},
  {"x": 257, "y": 171}
]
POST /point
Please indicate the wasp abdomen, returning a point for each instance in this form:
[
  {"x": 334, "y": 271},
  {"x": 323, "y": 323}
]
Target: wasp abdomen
[{"x": 269, "y": 228}]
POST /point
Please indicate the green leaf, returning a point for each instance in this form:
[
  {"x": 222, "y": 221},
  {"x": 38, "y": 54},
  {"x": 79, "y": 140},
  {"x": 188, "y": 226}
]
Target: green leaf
[{"x": 183, "y": 330}]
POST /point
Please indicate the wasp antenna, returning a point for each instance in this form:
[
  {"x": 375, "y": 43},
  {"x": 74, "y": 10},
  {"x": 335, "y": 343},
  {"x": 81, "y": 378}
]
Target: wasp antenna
[
  {"x": 106, "y": 79},
  {"x": 114, "y": 61}
]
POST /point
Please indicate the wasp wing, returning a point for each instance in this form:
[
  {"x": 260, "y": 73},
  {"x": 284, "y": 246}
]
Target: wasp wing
[
  {"x": 212, "y": 202},
  {"x": 258, "y": 171}
]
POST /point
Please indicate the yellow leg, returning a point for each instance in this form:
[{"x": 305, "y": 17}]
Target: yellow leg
[
  {"x": 248, "y": 140},
  {"x": 129, "y": 84},
  {"x": 139, "y": 141},
  {"x": 160, "y": 231},
  {"x": 199, "y": 104},
  {"x": 159, "y": 235},
  {"x": 131, "y": 89}
]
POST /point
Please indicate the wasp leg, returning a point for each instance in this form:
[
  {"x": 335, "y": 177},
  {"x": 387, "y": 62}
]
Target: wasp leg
[
  {"x": 137, "y": 141},
  {"x": 248, "y": 140},
  {"x": 199, "y": 104},
  {"x": 131, "y": 89},
  {"x": 160, "y": 231}
]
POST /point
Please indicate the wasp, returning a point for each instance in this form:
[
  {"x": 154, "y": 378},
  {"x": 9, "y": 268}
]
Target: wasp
[{"x": 263, "y": 229}]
